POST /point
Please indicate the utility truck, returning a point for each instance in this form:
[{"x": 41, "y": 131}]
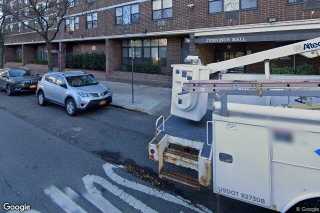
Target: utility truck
[{"x": 259, "y": 142}]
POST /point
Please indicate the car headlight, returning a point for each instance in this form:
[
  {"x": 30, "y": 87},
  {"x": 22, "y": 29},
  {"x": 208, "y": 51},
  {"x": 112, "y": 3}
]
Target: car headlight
[{"x": 83, "y": 94}]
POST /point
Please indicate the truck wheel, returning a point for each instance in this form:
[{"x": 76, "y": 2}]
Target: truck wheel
[
  {"x": 9, "y": 90},
  {"x": 71, "y": 107},
  {"x": 41, "y": 98}
]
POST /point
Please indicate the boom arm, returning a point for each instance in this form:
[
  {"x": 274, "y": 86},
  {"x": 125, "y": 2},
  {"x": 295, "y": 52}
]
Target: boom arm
[
  {"x": 193, "y": 106},
  {"x": 309, "y": 48}
]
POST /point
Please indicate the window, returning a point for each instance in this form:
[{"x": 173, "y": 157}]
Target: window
[
  {"x": 50, "y": 79},
  {"x": 60, "y": 81},
  {"x": 295, "y": 1},
  {"x": 25, "y": 25},
  {"x": 42, "y": 54},
  {"x": 161, "y": 9},
  {"x": 231, "y": 5},
  {"x": 215, "y": 6},
  {"x": 72, "y": 3},
  {"x": 154, "y": 51},
  {"x": 248, "y": 4},
  {"x": 72, "y": 24},
  {"x": 19, "y": 26},
  {"x": 127, "y": 14},
  {"x": 92, "y": 20}
]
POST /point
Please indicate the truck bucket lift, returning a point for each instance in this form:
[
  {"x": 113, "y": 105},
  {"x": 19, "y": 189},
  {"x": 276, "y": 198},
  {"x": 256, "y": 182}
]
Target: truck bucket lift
[
  {"x": 178, "y": 142},
  {"x": 169, "y": 148}
]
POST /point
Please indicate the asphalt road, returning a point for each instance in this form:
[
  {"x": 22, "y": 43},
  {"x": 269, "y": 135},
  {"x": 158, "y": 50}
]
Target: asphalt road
[{"x": 44, "y": 151}]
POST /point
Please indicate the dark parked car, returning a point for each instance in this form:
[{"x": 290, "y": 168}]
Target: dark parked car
[{"x": 14, "y": 80}]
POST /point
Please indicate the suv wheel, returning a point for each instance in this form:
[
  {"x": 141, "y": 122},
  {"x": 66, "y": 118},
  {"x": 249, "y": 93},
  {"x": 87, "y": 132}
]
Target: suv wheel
[
  {"x": 9, "y": 91},
  {"x": 71, "y": 107},
  {"x": 41, "y": 98}
]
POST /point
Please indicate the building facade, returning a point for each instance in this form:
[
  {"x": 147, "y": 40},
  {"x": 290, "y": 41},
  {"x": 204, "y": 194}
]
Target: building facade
[{"x": 159, "y": 33}]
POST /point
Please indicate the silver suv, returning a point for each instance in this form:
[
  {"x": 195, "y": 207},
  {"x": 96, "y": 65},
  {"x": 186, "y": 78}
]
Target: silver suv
[{"x": 74, "y": 90}]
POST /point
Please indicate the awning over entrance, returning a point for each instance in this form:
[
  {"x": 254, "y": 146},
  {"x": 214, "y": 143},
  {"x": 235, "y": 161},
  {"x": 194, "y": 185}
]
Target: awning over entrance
[{"x": 292, "y": 35}]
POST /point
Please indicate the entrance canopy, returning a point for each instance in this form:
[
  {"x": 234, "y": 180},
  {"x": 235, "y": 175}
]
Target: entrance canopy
[{"x": 275, "y": 31}]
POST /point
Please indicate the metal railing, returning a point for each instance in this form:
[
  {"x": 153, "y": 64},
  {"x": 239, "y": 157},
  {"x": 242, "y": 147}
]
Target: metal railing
[{"x": 160, "y": 128}]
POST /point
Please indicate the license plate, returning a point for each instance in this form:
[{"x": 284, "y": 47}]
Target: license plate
[
  {"x": 33, "y": 86},
  {"x": 102, "y": 103}
]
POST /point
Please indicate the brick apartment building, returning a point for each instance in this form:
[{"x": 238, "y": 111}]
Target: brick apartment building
[{"x": 164, "y": 32}]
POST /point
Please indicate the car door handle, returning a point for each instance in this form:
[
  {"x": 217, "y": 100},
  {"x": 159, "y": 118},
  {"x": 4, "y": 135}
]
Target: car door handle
[{"x": 224, "y": 157}]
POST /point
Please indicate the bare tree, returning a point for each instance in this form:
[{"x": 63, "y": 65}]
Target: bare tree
[
  {"x": 43, "y": 17},
  {"x": 3, "y": 23}
]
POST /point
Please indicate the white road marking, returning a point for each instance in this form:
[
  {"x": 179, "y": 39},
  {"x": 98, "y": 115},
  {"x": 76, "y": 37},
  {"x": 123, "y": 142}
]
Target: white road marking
[
  {"x": 71, "y": 193},
  {"x": 90, "y": 180},
  {"x": 28, "y": 211},
  {"x": 108, "y": 168},
  {"x": 63, "y": 201}
]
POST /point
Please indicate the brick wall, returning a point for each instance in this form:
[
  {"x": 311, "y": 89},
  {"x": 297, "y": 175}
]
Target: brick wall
[
  {"x": 86, "y": 47},
  {"x": 113, "y": 55},
  {"x": 28, "y": 53},
  {"x": 183, "y": 18},
  {"x": 173, "y": 53},
  {"x": 11, "y": 54}
]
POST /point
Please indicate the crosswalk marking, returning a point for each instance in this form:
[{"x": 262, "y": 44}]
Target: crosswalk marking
[
  {"x": 63, "y": 201},
  {"x": 90, "y": 180},
  {"x": 66, "y": 200},
  {"x": 108, "y": 168}
]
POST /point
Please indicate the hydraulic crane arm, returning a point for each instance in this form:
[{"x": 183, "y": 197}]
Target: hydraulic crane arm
[
  {"x": 192, "y": 105},
  {"x": 309, "y": 48}
]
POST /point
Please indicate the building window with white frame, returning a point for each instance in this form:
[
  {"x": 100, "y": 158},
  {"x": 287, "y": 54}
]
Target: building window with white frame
[
  {"x": 72, "y": 3},
  {"x": 92, "y": 20},
  {"x": 216, "y": 6},
  {"x": 72, "y": 24},
  {"x": 295, "y": 1},
  {"x": 248, "y": 4},
  {"x": 161, "y": 9},
  {"x": 152, "y": 51},
  {"x": 19, "y": 27},
  {"x": 128, "y": 14}
]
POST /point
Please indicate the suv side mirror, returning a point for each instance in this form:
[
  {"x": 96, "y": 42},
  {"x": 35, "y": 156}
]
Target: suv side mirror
[{"x": 64, "y": 85}]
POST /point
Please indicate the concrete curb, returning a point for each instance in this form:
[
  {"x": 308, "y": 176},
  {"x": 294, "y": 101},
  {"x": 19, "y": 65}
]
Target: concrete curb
[{"x": 141, "y": 110}]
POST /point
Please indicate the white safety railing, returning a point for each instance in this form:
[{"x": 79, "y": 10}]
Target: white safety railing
[{"x": 160, "y": 128}]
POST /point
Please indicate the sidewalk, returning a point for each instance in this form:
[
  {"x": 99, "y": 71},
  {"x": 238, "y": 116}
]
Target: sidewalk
[
  {"x": 154, "y": 80},
  {"x": 153, "y": 100}
]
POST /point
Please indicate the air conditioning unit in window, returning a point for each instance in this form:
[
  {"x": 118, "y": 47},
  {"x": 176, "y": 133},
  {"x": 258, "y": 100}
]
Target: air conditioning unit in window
[{"x": 190, "y": 5}]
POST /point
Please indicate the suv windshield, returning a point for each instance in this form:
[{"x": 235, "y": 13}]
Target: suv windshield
[
  {"x": 81, "y": 81},
  {"x": 18, "y": 73}
]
